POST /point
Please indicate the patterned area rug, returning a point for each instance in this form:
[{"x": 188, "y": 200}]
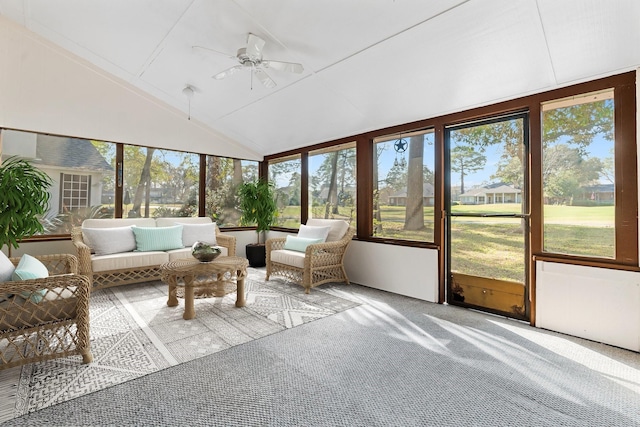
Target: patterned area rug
[{"x": 134, "y": 333}]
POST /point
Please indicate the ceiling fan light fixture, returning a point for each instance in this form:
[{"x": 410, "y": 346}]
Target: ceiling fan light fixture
[{"x": 188, "y": 92}]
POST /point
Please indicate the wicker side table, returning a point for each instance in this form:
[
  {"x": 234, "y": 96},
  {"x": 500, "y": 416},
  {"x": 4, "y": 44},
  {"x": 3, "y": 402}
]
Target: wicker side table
[{"x": 209, "y": 279}]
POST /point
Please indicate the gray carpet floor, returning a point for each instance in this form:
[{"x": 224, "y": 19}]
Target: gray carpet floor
[{"x": 392, "y": 361}]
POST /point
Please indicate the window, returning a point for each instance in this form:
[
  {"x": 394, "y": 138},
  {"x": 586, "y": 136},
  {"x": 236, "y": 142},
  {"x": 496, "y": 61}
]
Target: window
[
  {"x": 332, "y": 182},
  {"x": 286, "y": 174},
  {"x": 160, "y": 183},
  {"x": 403, "y": 183},
  {"x": 224, "y": 175},
  {"x": 75, "y": 192},
  {"x": 578, "y": 175},
  {"x": 81, "y": 172}
]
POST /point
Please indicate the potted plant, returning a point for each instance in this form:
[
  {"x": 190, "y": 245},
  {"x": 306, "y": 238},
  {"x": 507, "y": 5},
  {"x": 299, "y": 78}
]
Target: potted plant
[
  {"x": 24, "y": 198},
  {"x": 258, "y": 206}
]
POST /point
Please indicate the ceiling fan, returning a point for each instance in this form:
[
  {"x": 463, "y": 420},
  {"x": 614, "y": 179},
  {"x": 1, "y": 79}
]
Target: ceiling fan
[{"x": 251, "y": 57}]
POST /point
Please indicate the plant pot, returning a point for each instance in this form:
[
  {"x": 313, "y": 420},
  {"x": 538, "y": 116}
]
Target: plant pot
[{"x": 256, "y": 254}]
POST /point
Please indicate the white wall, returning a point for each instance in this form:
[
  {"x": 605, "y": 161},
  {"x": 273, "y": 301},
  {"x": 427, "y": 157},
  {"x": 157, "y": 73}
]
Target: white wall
[
  {"x": 46, "y": 89},
  {"x": 594, "y": 303}
]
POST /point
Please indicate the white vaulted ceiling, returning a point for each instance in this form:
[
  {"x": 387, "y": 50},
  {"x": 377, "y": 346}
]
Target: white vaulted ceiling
[{"x": 368, "y": 64}]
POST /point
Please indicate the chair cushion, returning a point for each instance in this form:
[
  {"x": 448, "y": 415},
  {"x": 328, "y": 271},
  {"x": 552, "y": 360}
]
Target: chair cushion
[
  {"x": 285, "y": 256},
  {"x": 158, "y": 238},
  {"x": 300, "y": 244},
  {"x": 6, "y": 268},
  {"x": 338, "y": 227},
  {"x": 311, "y": 232},
  {"x": 109, "y": 240},
  {"x": 128, "y": 260},
  {"x": 27, "y": 269}
]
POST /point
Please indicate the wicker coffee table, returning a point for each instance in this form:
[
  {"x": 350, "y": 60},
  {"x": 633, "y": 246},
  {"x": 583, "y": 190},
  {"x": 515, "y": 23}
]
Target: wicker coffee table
[{"x": 203, "y": 280}]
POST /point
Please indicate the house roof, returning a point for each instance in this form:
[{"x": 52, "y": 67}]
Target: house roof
[
  {"x": 70, "y": 153},
  {"x": 479, "y": 191},
  {"x": 368, "y": 64}
]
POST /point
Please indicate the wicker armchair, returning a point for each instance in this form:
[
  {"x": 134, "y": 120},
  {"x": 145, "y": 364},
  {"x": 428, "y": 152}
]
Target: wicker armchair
[
  {"x": 56, "y": 326},
  {"x": 321, "y": 263}
]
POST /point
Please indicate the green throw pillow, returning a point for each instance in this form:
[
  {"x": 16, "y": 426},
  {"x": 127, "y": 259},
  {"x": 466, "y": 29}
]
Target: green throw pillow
[
  {"x": 27, "y": 269},
  {"x": 299, "y": 244},
  {"x": 158, "y": 238}
]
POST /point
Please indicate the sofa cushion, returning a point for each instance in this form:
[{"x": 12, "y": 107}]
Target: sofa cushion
[
  {"x": 169, "y": 221},
  {"x": 30, "y": 268},
  {"x": 285, "y": 256},
  {"x": 314, "y": 232},
  {"x": 158, "y": 238},
  {"x": 299, "y": 244},
  {"x": 6, "y": 268},
  {"x": 109, "y": 240},
  {"x": 127, "y": 260},
  {"x": 118, "y": 222},
  {"x": 192, "y": 233},
  {"x": 338, "y": 227}
]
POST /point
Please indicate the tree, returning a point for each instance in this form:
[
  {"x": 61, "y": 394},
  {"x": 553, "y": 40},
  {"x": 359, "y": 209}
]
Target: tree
[
  {"x": 414, "y": 213},
  {"x": 465, "y": 160}
]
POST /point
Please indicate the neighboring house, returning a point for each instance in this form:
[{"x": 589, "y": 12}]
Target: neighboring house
[
  {"x": 74, "y": 165},
  {"x": 399, "y": 198},
  {"x": 601, "y": 193},
  {"x": 491, "y": 194}
]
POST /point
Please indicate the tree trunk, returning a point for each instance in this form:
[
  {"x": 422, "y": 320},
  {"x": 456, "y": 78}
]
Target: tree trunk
[
  {"x": 332, "y": 195},
  {"x": 414, "y": 214},
  {"x": 143, "y": 184},
  {"x": 377, "y": 219}
]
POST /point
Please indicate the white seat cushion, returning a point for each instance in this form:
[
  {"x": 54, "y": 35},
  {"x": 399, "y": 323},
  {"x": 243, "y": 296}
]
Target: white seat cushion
[
  {"x": 127, "y": 260},
  {"x": 285, "y": 256},
  {"x": 338, "y": 227}
]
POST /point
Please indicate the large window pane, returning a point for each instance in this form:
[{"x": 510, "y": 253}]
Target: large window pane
[
  {"x": 81, "y": 171},
  {"x": 578, "y": 175},
  {"x": 224, "y": 176},
  {"x": 286, "y": 174},
  {"x": 332, "y": 183},
  {"x": 403, "y": 182},
  {"x": 159, "y": 183}
]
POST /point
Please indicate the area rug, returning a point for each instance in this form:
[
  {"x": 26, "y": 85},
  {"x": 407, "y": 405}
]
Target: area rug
[{"x": 135, "y": 333}]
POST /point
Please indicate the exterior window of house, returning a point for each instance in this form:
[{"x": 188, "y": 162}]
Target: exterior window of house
[
  {"x": 286, "y": 174},
  {"x": 224, "y": 176},
  {"x": 332, "y": 182},
  {"x": 75, "y": 192},
  {"x": 159, "y": 183},
  {"x": 403, "y": 186},
  {"x": 578, "y": 175},
  {"x": 81, "y": 172}
]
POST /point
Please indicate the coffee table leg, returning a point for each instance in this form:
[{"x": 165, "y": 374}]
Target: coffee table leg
[
  {"x": 173, "y": 300},
  {"x": 189, "y": 311},
  {"x": 240, "y": 299}
]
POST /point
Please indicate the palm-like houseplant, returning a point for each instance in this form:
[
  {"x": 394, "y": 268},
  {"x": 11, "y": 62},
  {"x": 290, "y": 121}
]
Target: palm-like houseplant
[
  {"x": 258, "y": 206},
  {"x": 24, "y": 198}
]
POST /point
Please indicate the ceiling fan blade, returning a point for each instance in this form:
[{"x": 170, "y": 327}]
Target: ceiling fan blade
[
  {"x": 254, "y": 46},
  {"x": 229, "y": 71},
  {"x": 291, "y": 67},
  {"x": 264, "y": 78}
]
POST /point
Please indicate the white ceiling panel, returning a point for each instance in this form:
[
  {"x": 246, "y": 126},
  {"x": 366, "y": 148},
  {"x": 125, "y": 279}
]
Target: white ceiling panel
[
  {"x": 286, "y": 120},
  {"x": 590, "y": 37}
]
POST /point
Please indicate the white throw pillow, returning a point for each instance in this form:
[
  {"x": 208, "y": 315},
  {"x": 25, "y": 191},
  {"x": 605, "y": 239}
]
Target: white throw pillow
[
  {"x": 105, "y": 241},
  {"x": 311, "y": 232},
  {"x": 338, "y": 227},
  {"x": 192, "y": 233},
  {"x": 6, "y": 268}
]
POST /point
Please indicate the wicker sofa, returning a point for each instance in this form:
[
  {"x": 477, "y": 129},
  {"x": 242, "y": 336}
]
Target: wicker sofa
[
  {"x": 134, "y": 266},
  {"x": 55, "y": 324},
  {"x": 319, "y": 262}
]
